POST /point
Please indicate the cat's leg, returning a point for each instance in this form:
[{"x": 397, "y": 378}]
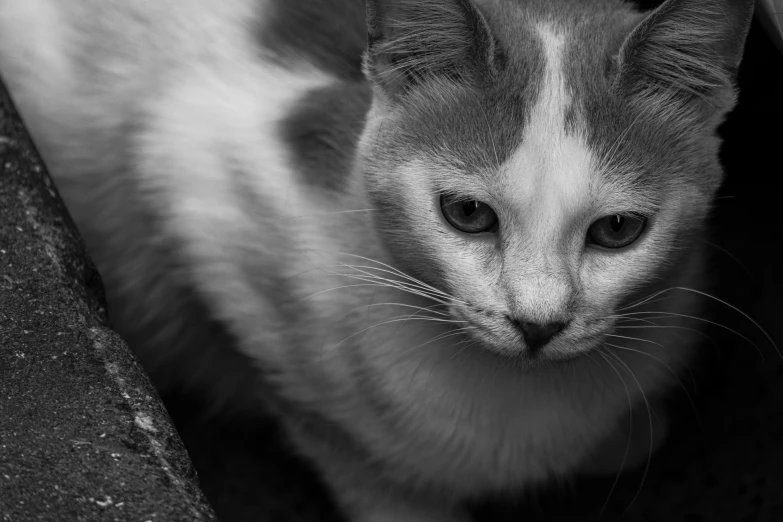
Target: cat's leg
[{"x": 633, "y": 443}]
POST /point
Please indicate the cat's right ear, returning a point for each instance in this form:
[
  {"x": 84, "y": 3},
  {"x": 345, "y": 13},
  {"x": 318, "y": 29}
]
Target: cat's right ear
[{"x": 413, "y": 41}]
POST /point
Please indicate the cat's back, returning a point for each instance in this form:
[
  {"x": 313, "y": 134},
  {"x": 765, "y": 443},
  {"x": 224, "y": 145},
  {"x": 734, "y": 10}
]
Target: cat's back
[
  {"x": 145, "y": 111},
  {"x": 111, "y": 44},
  {"x": 84, "y": 63}
]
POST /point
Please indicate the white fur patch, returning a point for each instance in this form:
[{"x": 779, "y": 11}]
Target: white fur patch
[
  {"x": 32, "y": 31},
  {"x": 34, "y": 62},
  {"x": 213, "y": 127},
  {"x": 549, "y": 174}
]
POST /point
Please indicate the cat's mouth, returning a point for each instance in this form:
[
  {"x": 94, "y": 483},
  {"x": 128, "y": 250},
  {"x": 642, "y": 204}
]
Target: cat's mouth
[{"x": 495, "y": 333}]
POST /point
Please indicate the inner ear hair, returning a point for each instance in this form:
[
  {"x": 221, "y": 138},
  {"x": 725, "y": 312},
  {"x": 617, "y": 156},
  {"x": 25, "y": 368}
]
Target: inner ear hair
[
  {"x": 686, "y": 48},
  {"x": 411, "y": 41}
]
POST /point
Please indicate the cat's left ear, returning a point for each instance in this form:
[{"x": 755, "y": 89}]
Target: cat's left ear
[
  {"x": 686, "y": 49},
  {"x": 413, "y": 41}
]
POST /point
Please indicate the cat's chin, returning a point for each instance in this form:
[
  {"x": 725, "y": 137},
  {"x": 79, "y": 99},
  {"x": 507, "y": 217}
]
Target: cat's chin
[
  {"x": 548, "y": 359},
  {"x": 523, "y": 359},
  {"x": 507, "y": 348}
]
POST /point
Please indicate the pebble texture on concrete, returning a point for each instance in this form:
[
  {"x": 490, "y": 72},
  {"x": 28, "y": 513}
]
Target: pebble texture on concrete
[{"x": 83, "y": 434}]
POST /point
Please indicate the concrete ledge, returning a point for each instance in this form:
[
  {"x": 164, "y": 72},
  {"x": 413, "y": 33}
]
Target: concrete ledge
[{"x": 83, "y": 434}]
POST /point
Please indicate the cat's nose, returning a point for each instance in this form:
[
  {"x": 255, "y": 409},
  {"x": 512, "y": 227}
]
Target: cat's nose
[{"x": 537, "y": 335}]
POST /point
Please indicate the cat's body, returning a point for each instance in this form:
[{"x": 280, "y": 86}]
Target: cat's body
[{"x": 226, "y": 161}]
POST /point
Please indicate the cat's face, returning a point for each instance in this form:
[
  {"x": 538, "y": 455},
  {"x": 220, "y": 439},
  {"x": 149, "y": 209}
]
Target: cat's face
[{"x": 546, "y": 198}]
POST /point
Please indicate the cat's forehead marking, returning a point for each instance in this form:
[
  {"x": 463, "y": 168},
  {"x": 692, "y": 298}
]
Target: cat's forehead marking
[{"x": 549, "y": 173}]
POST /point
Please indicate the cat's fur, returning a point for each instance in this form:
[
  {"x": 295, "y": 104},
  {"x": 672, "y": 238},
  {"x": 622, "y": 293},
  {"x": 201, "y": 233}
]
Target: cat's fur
[{"x": 228, "y": 164}]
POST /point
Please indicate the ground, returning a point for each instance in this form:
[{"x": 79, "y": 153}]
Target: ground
[{"x": 83, "y": 434}]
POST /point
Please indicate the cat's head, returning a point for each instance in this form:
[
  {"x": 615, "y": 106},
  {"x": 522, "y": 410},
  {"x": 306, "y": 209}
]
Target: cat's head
[{"x": 543, "y": 162}]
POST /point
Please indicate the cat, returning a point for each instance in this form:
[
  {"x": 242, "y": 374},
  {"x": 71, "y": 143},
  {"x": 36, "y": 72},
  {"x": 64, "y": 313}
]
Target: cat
[{"x": 450, "y": 238}]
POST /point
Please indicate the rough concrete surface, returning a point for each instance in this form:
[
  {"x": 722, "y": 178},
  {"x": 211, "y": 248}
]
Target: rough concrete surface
[{"x": 83, "y": 434}]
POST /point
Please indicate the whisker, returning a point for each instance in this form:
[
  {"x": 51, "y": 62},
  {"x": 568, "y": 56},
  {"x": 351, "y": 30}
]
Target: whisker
[
  {"x": 410, "y": 284},
  {"x": 644, "y": 300},
  {"x": 362, "y": 275},
  {"x": 635, "y": 339},
  {"x": 414, "y": 282},
  {"x": 666, "y": 315},
  {"x": 439, "y": 337},
  {"x": 648, "y": 301},
  {"x": 622, "y": 318},
  {"x": 649, "y": 418},
  {"x": 425, "y": 309},
  {"x": 390, "y": 283},
  {"x": 671, "y": 371},
  {"x": 730, "y": 306},
  {"x": 418, "y": 308},
  {"x": 467, "y": 343},
  {"x": 630, "y": 432},
  {"x": 341, "y": 287},
  {"x": 321, "y": 214},
  {"x": 400, "y": 285},
  {"x": 731, "y": 256},
  {"x": 670, "y": 327},
  {"x": 667, "y": 327},
  {"x": 398, "y": 319},
  {"x": 457, "y": 332},
  {"x": 743, "y": 314},
  {"x": 403, "y": 274}
]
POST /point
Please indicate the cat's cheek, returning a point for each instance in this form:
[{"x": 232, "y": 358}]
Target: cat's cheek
[{"x": 608, "y": 277}]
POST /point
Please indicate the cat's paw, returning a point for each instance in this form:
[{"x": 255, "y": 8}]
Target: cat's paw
[{"x": 632, "y": 445}]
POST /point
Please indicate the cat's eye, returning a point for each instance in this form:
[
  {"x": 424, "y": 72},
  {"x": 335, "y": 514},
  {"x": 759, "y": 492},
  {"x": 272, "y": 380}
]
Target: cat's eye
[
  {"x": 469, "y": 216},
  {"x": 616, "y": 231}
]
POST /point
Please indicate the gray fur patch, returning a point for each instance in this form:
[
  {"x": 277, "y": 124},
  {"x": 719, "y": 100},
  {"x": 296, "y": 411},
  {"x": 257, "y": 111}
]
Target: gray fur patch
[
  {"x": 659, "y": 142},
  {"x": 330, "y": 35},
  {"x": 322, "y": 133},
  {"x": 478, "y": 126},
  {"x": 468, "y": 126},
  {"x": 411, "y": 41}
]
